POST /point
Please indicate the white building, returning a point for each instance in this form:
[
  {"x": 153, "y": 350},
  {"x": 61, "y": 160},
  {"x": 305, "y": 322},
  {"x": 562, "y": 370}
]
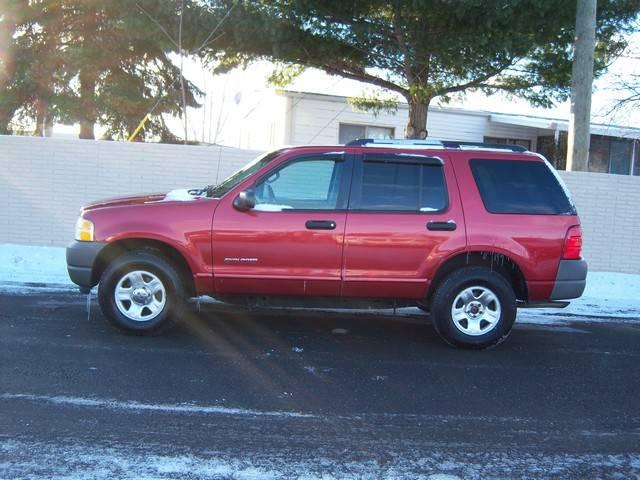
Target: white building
[{"x": 298, "y": 118}]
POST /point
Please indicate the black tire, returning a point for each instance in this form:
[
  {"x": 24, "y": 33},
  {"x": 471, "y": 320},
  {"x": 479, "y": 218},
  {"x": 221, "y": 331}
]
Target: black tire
[
  {"x": 169, "y": 276},
  {"x": 457, "y": 282}
]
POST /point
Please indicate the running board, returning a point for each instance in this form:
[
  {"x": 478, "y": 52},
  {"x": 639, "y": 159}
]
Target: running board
[{"x": 550, "y": 304}]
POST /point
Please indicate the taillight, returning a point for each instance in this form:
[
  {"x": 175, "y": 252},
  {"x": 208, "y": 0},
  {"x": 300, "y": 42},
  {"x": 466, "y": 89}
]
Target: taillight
[{"x": 572, "y": 244}]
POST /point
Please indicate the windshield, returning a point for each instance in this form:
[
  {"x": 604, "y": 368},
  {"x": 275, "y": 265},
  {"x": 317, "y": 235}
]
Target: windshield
[{"x": 218, "y": 191}]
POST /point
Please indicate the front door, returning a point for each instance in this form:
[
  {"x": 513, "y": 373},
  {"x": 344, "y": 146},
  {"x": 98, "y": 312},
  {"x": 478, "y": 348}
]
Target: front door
[
  {"x": 291, "y": 242},
  {"x": 404, "y": 216}
]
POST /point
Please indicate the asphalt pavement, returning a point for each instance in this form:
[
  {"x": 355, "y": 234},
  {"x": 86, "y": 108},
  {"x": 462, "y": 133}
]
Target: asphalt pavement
[{"x": 239, "y": 393}]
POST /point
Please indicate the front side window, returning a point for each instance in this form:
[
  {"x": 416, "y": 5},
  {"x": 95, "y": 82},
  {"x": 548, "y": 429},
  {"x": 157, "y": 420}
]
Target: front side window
[
  {"x": 309, "y": 184},
  {"x": 400, "y": 186},
  {"x": 520, "y": 187}
]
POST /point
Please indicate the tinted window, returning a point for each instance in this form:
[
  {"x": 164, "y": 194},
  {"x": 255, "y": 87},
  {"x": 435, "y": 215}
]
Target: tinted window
[
  {"x": 305, "y": 184},
  {"x": 520, "y": 187},
  {"x": 400, "y": 186}
]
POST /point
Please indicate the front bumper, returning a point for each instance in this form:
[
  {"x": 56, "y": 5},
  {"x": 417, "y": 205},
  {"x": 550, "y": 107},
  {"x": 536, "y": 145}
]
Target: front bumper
[
  {"x": 81, "y": 258},
  {"x": 571, "y": 280}
]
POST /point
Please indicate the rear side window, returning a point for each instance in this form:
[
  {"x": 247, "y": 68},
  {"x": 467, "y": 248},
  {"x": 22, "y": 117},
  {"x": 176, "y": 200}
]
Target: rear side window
[
  {"x": 520, "y": 187},
  {"x": 400, "y": 186}
]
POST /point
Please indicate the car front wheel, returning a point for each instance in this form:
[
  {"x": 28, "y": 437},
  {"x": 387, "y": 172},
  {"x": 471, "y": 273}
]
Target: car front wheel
[
  {"x": 474, "y": 308},
  {"x": 140, "y": 292}
]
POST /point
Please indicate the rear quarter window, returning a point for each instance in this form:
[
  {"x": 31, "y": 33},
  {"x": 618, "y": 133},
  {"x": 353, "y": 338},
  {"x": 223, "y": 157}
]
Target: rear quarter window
[{"x": 520, "y": 187}]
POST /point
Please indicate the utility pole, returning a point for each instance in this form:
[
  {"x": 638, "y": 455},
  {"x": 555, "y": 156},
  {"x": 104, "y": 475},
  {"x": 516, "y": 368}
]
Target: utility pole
[{"x": 581, "y": 85}]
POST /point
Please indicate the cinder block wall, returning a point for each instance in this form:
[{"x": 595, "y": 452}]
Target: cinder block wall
[
  {"x": 44, "y": 181},
  {"x": 609, "y": 207}
]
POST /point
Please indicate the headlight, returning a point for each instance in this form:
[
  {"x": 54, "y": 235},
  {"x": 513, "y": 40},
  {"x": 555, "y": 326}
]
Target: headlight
[{"x": 84, "y": 230}]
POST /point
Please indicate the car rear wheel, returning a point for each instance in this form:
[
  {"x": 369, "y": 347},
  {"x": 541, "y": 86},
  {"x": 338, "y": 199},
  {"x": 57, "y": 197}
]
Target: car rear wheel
[
  {"x": 474, "y": 308},
  {"x": 140, "y": 292}
]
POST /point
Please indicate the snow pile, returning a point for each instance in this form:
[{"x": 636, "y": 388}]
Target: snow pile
[
  {"x": 31, "y": 265},
  {"x": 607, "y": 295}
]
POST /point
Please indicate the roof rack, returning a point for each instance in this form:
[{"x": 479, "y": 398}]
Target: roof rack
[{"x": 433, "y": 143}]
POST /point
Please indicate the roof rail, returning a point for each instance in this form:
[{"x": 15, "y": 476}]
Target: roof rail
[{"x": 431, "y": 143}]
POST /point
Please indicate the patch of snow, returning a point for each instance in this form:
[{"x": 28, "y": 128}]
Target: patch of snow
[
  {"x": 182, "y": 195},
  {"x": 27, "y": 266},
  {"x": 340, "y": 331},
  {"x": 608, "y": 296},
  {"x": 185, "y": 408},
  {"x": 72, "y": 460}
]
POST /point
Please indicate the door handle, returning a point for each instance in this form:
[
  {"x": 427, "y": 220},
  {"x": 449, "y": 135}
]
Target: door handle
[
  {"x": 447, "y": 226},
  {"x": 320, "y": 224}
]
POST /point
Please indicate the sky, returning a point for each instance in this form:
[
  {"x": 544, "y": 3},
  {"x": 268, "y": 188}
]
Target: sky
[{"x": 231, "y": 98}]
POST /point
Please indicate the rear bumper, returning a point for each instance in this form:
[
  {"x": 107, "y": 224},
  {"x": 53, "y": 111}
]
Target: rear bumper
[
  {"x": 571, "y": 280},
  {"x": 81, "y": 258}
]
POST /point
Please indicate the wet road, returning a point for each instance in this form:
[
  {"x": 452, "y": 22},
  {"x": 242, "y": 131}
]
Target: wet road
[{"x": 294, "y": 394}]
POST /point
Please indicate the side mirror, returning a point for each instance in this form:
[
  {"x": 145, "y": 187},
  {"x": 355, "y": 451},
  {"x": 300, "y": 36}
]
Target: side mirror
[{"x": 245, "y": 200}]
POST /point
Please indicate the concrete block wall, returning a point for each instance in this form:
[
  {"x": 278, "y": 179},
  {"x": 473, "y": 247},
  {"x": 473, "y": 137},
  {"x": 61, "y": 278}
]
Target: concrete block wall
[
  {"x": 44, "y": 181},
  {"x": 609, "y": 208}
]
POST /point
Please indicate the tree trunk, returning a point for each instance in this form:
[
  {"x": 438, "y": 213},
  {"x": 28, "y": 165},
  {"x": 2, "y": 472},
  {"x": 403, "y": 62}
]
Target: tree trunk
[
  {"x": 42, "y": 117},
  {"x": 87, "y": 105},
  {"x": 5, "y": 119},
  {"x": 417, "y": 124},
  {"x": 581, "y": 87}
]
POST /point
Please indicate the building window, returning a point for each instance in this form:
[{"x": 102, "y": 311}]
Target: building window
[
  {"x": 554, "y": 149},
  {"x": 606, "y": 154},
  {"x": 610, "y": 155},
  {"x": 349, "y": 132},
  {"x": 599, "y": 151},
  {"x": 509, "y": 141}
]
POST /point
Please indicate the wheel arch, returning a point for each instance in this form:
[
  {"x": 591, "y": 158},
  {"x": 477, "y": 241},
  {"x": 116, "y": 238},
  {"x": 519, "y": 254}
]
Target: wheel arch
[
  {"x": 495, "y": 261},
  {"x": 170, "y": 253}
]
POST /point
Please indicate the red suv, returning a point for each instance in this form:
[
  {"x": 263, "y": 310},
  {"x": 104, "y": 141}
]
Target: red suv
[{"x": 468, "y": 232}]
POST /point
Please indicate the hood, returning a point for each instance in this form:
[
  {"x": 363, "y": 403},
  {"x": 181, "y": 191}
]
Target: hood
[{"x": 181, "y": 195}]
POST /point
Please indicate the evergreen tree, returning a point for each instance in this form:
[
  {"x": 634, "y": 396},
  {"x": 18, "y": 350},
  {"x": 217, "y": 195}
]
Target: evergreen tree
[
  {"x": 90, "y": 61},
  {"x": 424, "y": 49}
]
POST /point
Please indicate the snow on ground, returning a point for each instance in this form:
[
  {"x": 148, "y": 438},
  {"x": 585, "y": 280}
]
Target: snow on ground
[
  {"x": 608, "y": 295},
  {"x": 73, "y": 461},
  {"x": 31, "y": 265}
]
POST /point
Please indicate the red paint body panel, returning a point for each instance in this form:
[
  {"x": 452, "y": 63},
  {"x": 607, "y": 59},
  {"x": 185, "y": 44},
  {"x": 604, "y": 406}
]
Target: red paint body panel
[
  {"x": 533, "y": 242},
  {"x": 394, "y": 254},
  {"x": 377, "y": 254},
  {"x": 185, "y": 226},
  {"x": 289, "y": 258}
]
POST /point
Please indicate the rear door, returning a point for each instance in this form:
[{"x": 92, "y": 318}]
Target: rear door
[
  {"x": 291, "y": 242},
  {"x": 404, "y": 217}
]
